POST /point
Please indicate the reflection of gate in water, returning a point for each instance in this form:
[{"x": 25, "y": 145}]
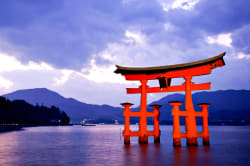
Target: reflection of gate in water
[{"x": 164, "y": 74}]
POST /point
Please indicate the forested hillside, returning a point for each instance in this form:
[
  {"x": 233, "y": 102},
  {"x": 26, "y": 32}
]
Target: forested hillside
[{"x": 21, "y": 112}]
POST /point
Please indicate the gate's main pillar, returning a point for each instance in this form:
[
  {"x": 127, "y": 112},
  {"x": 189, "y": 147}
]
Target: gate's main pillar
[
  {"x": 143, "y": 138},
  {"x": 190, "y": 121}
]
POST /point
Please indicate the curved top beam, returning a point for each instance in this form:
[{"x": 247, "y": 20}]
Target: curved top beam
[{"x": 164, "y": 69}]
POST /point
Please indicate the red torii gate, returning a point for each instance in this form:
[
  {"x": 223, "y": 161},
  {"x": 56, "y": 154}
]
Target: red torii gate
[{"x": 164, "y": 74}]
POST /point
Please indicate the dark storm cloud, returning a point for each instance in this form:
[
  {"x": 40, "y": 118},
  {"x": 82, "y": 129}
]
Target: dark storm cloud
[
  {"x": 212, "y": 16},
  {"x": 19, "y": 14},
  {"x": 208, "y": 18},
  {"x": 148, "y": 17},
  {"x": 63, "y": 34},
  {"x": 241, "y": 40},
  {"x": 66, "y": 33}
]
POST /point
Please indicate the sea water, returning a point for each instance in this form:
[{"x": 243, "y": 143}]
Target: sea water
[{"x": 103, "y": 145}]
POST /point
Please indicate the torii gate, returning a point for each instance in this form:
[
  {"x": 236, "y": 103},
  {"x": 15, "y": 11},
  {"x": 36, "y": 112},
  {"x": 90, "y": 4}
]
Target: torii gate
[{"x": 164, "y": 74}]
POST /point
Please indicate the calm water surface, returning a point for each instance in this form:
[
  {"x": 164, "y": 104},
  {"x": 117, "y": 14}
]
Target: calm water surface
[{"x": 103, "y": 145}]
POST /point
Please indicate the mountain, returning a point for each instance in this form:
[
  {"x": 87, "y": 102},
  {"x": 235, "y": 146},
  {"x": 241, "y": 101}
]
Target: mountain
[
  {"x": 226, "y": 105},
  {"x": 76, "y": 110},
  {"x": 21, "y": 112}
]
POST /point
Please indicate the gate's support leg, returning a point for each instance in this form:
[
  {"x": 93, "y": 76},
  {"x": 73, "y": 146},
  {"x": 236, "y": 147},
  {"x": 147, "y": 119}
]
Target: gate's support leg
[
  {"x": 156, "y": 123},
  {"x": 176, "y": 123},
  {"x": 126, "y": 139},
  {"x": 205, "y": 122},
  {"x": 126, "y": 114}
]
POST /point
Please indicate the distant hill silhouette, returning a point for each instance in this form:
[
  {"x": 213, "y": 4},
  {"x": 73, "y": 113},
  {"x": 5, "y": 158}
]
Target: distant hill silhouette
[
  {"x": 76, "y": 110},
  {"x": 226, "y": 105},
  {"x": 21, "y": 112}
]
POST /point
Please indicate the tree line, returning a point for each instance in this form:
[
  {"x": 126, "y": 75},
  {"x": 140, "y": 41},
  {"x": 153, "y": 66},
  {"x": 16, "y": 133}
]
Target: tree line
[{"x": 21, "y": 112}]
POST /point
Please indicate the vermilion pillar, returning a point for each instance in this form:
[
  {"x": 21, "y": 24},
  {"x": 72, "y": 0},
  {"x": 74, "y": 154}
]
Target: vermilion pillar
[
  {"x": 126, "y": 114},
  {"x": 190, "y": 122},
  {"x": 176, "y": 123},
  {"x": 205, "y": 122},
  {"x": 143, "y": 138},
  {"x": 156, "y": 123}
]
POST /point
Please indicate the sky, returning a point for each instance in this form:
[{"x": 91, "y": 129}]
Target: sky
[{"x": 72, "y": 47}]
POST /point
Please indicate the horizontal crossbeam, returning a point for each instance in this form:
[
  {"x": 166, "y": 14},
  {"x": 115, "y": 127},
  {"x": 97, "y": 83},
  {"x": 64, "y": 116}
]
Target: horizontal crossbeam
[{"x": 203, "y": 86}]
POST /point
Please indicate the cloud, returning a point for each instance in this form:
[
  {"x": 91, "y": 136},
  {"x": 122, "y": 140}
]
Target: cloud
[
  {"x": 243, "y": 56},
  {"x": 67, "y": 34},
  {"x": 102, "y": 73},
  {"x": 10, "y": 63},
  {"x": 5, "y": 83},
  {"x": 64, "y": 78},
  {"x": 178, "y": 4},
  {"x": 212, "y": 16},
  {"x": 241, "y": 41},
  {"x": 222, "y": 39}
]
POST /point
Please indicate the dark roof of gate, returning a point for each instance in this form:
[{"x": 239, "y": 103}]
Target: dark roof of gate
[{"x": 164, "y": 69}]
